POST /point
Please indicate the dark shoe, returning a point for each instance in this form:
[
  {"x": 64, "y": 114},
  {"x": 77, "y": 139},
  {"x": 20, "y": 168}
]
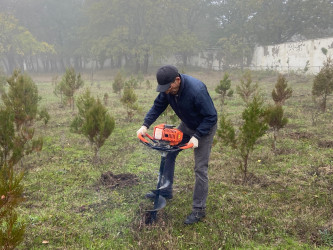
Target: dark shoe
[
  {"x": 195, "y": 217},
  {"x": 152, "y": 194}
]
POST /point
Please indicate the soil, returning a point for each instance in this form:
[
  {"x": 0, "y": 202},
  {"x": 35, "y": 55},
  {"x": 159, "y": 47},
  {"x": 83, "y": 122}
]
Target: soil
[
  {"x": 110, "y": 180},
  {"x": 300, "y": 135},
  {"x": 325, "y": 144},
  {"x": 252, "y": 180},
  {"x": 285, "y": 151}
]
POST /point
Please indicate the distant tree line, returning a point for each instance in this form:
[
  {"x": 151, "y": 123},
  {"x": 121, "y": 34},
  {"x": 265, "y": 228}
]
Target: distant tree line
[{"x": 50, "y": 36}]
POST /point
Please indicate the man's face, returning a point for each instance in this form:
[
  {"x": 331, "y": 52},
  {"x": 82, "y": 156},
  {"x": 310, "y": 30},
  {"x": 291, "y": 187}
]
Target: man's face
[{"x": 174, "y": 87}]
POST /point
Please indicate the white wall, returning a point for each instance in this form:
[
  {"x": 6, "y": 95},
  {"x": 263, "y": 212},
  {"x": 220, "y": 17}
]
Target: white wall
[{"x": 293, "y": 56}]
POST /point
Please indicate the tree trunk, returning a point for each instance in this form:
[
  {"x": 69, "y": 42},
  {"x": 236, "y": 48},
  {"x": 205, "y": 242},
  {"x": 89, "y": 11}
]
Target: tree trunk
[
  {"x": 119, "y": 61},
  {"x": 184, "y": 56},
  {"x": 11, "y": 62},
  {"x": 37, "y": 64},
  {"x": 96, "y": 158},
  {"x": 323, "y": 104},
  {"x": 245, "y": 168},
  {"x": 6, "y": 65},
  {"x": 145, "y": 64},
  {"x": 137, "y": 64},
  {"x": 274, "y": 140}
]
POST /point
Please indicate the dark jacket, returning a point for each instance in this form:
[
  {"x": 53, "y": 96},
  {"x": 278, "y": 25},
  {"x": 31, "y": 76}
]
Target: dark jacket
[{"x": 193, "y": 105}]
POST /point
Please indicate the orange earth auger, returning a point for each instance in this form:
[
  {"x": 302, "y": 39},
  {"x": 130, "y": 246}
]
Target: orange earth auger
[{"x": 165, "y": 139}]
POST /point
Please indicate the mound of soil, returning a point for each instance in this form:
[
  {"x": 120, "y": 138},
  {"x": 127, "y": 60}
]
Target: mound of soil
[
  {"x": 285, "y": 151},
  {"x": 110, "y": 180},
  {"x": 325, "y": 144},
  {"x": 300, "y": 135},
  {"x": 252, "y": 180}
]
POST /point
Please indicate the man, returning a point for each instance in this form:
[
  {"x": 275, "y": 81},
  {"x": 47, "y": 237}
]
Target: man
[{"x": 192, "y": 103}]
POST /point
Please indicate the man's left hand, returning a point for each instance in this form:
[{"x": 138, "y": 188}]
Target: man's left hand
[{"x": 194, "y": 141}]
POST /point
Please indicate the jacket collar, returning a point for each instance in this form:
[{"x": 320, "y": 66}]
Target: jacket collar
[{"x": 182, "y": 85}]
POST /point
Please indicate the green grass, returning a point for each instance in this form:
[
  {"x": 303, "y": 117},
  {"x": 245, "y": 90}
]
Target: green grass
[{"x": 287, "y": 203}]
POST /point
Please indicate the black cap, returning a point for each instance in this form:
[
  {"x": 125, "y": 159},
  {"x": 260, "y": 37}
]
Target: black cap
[{"x": 165, "y": 76}]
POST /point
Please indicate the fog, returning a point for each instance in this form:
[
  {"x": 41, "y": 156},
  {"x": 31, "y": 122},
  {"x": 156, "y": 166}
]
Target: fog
[{"x": 50, "y": 35}]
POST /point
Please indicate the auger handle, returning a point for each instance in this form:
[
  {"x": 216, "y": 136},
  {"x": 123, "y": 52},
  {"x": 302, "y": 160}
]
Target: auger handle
[
  {"x": 187, "y": 145},
  {"x": 141, "y": 137}
]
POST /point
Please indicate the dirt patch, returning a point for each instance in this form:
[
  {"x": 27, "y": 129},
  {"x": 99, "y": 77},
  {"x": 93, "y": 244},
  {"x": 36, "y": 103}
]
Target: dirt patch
[
  {"x": 110, "y": 180},
  {"x": 326, "y": 170},
  {"x": 325, "y": 144},
  {"x": 322, "y": 171},
  {"x": 285, "y": 151},
  {"x": 252, "y": 180},
  {"x": 300, "y": 135}
]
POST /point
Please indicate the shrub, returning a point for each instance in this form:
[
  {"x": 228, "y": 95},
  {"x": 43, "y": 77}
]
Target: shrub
[
  {"x": 118, "y": 83},
  {"x": 106, "y": 99},
  {"x": 148, "y": 84},
  {"x": 11, "y": 196},
  {"x": 323, "y": 84},
  {"x": 93, "y": 121},
  {"x": 22, "y": 98},
  {"x": 170, "y": 115},
  {"x": 132, "y": 83},
  {"x": 44, "y": 115},
  {"x": 16, "y": 140},
  {"x": 223, "y": 89},
  {"x": 276, "y": 120},
  {"x": 69, "y": 84},
  {"x": 129, "y": 99},
  {"x": 246, "y": 89},
  {"x": 281, "y": 92},
  {"x": 254, "y": 126}
]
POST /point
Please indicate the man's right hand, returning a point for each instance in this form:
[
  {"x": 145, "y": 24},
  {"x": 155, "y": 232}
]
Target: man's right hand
[{"x": 142, "y": 131}]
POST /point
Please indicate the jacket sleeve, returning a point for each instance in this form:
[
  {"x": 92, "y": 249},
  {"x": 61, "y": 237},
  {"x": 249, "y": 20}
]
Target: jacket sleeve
[
  {"x": 160, "y": 104},
  {"x": 206, "y": 109}
]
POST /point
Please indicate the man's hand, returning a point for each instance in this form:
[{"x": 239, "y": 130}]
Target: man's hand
[
  {"x": 142, "y": 131},
  {"x": 194, "y": 141}
]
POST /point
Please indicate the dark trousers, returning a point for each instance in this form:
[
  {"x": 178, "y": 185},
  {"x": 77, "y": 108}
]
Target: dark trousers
[{"x": 201, "y": 156}]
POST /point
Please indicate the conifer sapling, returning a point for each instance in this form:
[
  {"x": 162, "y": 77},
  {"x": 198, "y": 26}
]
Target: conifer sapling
[
  {"x": 223, "y": 89},
  {"x": 246, "y": 89},
  {"x": 93, "y": 121},
  {"x": 254, "y": 126},
  {"x": 276, "y": 120},
  {"x": 323, "y": 83},
  {"x": 281, "y": 92}
]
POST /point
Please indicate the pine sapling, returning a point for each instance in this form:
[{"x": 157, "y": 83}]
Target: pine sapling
[
  {"x": 16, "y": 141},
  {"x": 22, "y": 99},
  {"x": 132, "y": 82},
  {"x": 93, "y": 121},
  {"x": 246, "y": 89},
  {"x": 223, "y": 89},
  {"x": 106, "y": 99},
  {"x": 148, "y": 84},
  {"x": 11, "y": 196},
  {"x": 129, "y": 99},
  {"x": 281, "y": 92},
  {"x": 44, "y": 115},
  {"x": 323, "y": 83},
  {"x": 254, "y": 126},
  {"x": 276, "y": 120},
  {"x": 69, "y": 84},
  {"x": 118, "y": 83},
  {"x": 98, "y": 126},
  {"x": 170, "y": 116}
]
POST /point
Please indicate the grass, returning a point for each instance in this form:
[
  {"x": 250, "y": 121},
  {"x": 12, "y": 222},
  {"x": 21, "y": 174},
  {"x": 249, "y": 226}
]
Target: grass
[{"x": 287, "y": 204}]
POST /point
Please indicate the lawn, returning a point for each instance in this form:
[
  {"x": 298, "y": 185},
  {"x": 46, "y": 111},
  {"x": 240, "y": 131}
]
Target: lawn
[{"x": 71, "y": 203}]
